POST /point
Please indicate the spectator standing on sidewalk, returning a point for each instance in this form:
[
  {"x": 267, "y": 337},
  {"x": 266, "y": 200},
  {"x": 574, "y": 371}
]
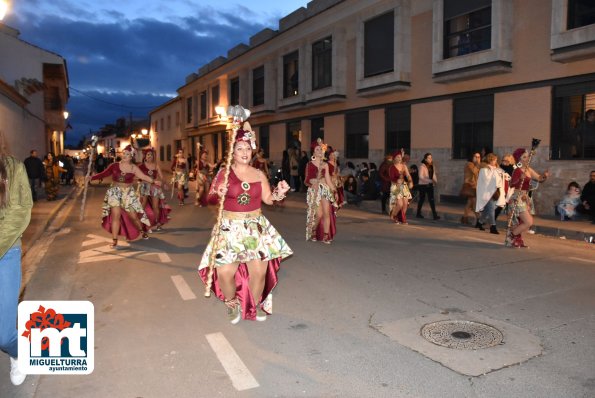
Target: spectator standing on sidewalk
[
  {"x": 427, "y": 180},
  {"x": 35, "y": 172},
  {"x": 302, "y": 171},
  {"x": 468, "y": 190},
  {"x": 588, "y": 197},
  {"x": 383, "y": 173},
  {"x": 15, "y": 213},
  {"x": 294, "y": 163},
  {"x": 490, "y": 192}
]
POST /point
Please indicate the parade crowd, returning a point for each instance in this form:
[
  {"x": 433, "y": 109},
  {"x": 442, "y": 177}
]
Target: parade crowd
[{"x": 241, "y": 261}]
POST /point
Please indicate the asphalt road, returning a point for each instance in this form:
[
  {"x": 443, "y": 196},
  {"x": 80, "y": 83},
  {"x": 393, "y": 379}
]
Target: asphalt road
[{"x": 157, "y": 336}]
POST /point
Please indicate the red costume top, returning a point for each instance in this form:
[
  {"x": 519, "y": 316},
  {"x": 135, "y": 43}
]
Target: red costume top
[
  {"x": 178, "y": 163},
  {"x": 520, "y": 180},
  {"x": 151, "y": 173},
  {"x": 234, "y": 191},
  {"x": 394, "y": 174},
  {"x": 312, "y": 172},
  {"x": 116, "y": 174}
]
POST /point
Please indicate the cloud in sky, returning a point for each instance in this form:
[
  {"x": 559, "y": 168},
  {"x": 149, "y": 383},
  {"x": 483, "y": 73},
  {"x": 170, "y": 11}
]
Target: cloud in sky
[{"x": 135, "y": 53}]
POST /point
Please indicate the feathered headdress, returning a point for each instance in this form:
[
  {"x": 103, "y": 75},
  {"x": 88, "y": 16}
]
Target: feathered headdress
[
  {"x": 319, "y": 143},
  {"x": 246, "y": 134}
]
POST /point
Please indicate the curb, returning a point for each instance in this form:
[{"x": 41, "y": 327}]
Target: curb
[
  {"x": 40, "y": 231},
  {"x": 454, "y": 217}
]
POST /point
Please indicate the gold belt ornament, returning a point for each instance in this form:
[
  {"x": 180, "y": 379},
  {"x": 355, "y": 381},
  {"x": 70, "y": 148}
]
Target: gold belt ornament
[{"x": 240, "y": 215}]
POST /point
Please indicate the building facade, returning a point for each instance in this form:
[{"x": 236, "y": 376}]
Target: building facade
[
  {"x": 449, "y": 77},
  {"x": 33, "y": 96}
]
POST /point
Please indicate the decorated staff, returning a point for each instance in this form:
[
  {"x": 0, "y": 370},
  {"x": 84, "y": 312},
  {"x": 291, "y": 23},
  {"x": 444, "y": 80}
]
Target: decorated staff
[
  {"x": 238, "y": 115},
  {"x": 520, "y": 218},
  {"x": 241, "y": 261},
  {"x": 93, "y": 145}
]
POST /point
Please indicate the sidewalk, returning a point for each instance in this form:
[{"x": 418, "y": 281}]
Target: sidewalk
[
  {"x": 43, "y": 213},
  {"x": 451, "y": 212}
]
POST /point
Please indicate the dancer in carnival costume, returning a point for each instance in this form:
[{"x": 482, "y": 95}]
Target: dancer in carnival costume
[
  {"x": 179, "y": 168},
  {"x": 320, "y": 197},
  {"x": 122, "y": 212},
  {"x": 245, "y": 247},
  {"x": 259, "y": 162},
  {"x": 203, "y": 169},
  {"x": 400, "y": 189},
  {"x": 152, "y": 196},
  {"x": 522, "y": 209},
  {"x": 52, "y": 174}
]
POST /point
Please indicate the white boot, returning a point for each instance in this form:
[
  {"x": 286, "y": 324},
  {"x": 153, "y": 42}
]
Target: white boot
[{"x": 16, "y": 376}]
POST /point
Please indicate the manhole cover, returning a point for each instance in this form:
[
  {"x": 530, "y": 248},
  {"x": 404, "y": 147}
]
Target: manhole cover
[{"x": 462, "y": 335}]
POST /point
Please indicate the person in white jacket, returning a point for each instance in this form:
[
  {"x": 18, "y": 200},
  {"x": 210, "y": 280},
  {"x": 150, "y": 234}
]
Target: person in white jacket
[{"x": 490, "y": 191}]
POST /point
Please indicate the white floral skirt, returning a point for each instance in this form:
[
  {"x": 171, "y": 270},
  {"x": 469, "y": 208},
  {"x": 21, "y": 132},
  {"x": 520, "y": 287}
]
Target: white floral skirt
[{"x": 242, "y": 240}]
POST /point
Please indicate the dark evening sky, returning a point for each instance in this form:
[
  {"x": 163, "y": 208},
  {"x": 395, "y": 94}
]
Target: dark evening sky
[{"x": 129, "y": 56}]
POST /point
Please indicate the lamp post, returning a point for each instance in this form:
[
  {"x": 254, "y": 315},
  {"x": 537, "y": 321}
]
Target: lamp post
[{"x": 3, "y": 9}]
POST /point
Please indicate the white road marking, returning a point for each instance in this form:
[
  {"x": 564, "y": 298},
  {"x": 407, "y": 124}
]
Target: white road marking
[
  {"x": 183, "y": 288},
  {"x": 581, "y": 259},
  {"x": 240, "y": 376},
  {"x": 105, "y": 253}
]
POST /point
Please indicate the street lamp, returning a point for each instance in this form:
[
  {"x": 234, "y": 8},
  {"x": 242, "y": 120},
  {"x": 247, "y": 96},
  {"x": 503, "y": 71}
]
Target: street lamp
[
  {"x": 3, "y": 8},
  {"x": 144, "y": 131},
  {"x": 66, "y": 115},
  {"x": 221, "y": 112}
]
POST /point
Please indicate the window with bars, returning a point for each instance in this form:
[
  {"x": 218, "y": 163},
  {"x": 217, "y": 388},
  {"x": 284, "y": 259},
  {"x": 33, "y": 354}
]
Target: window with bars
[
  {"x": 573, "y": 124},
  {"x": 168, "y": 122},
  {"x": 379, "y": 44},
  {"x": 317, "y": 129},
  {"x": 580, "y": 13},
  {"x": 188, "y": 110},
  {"x": 203, "y": 105},
  {"x": 398, "y": 128},
  {"x": 291, "y": 74},
  {"x": 234, "y": 91},
  {"x": 356, "y": 134},
  {"x": 214, "y": 100},
  {"x": 168, "y": 152},
  {"x": 473, "y": 127},
  {"x": 258, "y": 86},
  {"x": 162, "y": 153},
  {"x": 294, "y": 130},
  {"x": 467, "y": 26},
  {"x": 322, "y": 63},
  {"x": 52, "y": 100}
]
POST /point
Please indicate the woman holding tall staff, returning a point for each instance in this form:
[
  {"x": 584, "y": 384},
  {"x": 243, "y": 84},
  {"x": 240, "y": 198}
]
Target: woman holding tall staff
[
  {"x": 179, "y": 168},
  {"x": 245, "y": 247},
  {"x": 122, "y": 212},
  {"x": 521, "y": 217}
]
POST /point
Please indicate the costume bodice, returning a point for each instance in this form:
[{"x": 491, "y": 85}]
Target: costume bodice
[
  {"x": 151, "y": 173},
  {"x": 520, "y": 180},
  {"x": 116, "y": 174}
]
